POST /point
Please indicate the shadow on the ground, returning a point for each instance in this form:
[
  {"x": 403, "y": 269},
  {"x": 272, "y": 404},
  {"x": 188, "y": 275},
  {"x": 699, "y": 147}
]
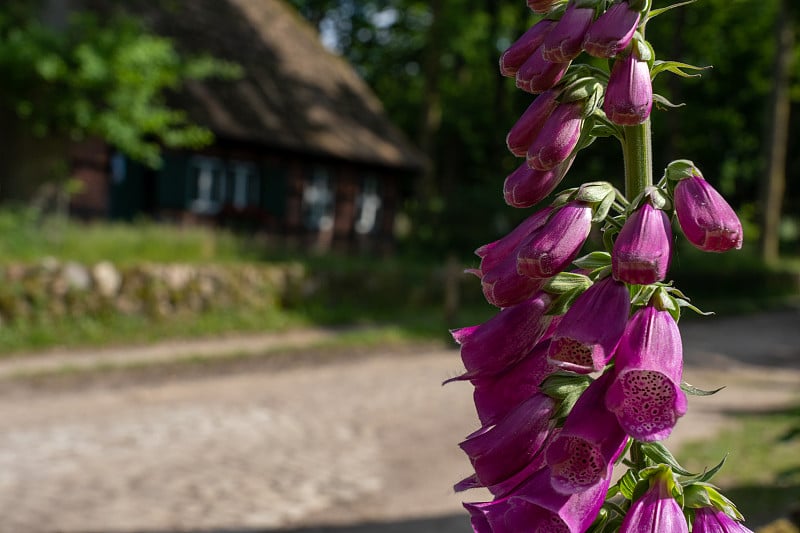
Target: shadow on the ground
[
  {"x": 444, "y": 524},
  {"x": 763, "y": 504}
]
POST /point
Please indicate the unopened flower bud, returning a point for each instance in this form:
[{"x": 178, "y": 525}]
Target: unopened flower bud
[
  {"x": 705, "y": 217},
  {"x": 563, "y": 43},
  {"x": 558, "y": 137},
  {"x": 525, "y": 130},
  {"x": 551, "y": 248},
  {"x": 629, "y": 95},
  {"x": 612, "y": 31},
  {"x": 538, "y": 74},
  {"x": 526, "y": 187},
  {"x": 643, "y": 248},
  {"x": 524, "y": 47}
]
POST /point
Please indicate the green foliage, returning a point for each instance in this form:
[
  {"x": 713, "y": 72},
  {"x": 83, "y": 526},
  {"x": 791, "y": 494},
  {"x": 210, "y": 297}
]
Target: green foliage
[{"x": 104, "y": 78}]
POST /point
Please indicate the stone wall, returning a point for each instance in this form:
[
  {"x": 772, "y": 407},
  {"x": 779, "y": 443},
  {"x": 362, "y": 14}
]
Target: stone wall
[{"x": 51, "y": 289}]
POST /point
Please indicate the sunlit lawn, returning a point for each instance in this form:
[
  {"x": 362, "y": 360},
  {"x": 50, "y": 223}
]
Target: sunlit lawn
[{"x": 762, "y": 474}]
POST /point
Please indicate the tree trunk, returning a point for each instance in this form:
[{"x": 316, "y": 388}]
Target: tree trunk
[
  {"x": 774, "y": 183},
  {"x": 431, "y": 119}
]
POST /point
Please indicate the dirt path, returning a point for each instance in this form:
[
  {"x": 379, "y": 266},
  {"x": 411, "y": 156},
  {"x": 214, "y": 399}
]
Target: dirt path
[{"x": 369, "y": 440}]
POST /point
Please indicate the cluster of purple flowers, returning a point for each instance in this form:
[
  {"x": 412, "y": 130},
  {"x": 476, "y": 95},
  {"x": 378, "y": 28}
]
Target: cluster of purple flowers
[{"x": 545, "y": 454}]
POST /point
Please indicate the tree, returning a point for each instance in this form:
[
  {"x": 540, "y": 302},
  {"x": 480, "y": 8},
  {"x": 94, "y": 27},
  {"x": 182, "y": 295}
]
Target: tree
[
  {"x": 774, "y": 183},
  {"x": 88, "y": 78}
]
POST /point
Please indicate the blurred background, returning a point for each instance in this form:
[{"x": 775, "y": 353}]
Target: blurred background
[{"x": 217, "y": 216}]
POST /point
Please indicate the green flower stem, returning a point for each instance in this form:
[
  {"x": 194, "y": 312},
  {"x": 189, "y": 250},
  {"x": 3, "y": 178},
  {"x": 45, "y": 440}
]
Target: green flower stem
[{"x": 637, "y": 149}]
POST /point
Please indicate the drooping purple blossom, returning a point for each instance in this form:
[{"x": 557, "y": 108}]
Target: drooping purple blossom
[
  {"x": 586, "y": 337},
  {"x": 563, "y": 43},
  {"x": 525, "y": 130},
  {"x": 643, "y": 249},
  {"x": 500, "y": 451},
  {"x": 629, "y": 95},
  {"x": 551, "y": 248},
  {"x": 646, "y": 395},
  {"x": 536, "y": 504},
  {"x": 537, "y": 74},
  {"x": 495, "y": 252},
  {"x": 496, "y": 396},
  {"x": 526, "y": 187},
  {"x": 612, "y": 31},
  {"x": 502, "y": 285},
  {"x": 711, "y": 520},
  {"x": 519, "y": 52},
  {"x": 504, "y": 339},
  {"x": 656, "y": 511},
  {"x": 588, "y": 443},
  {"x": 705, "y": 217},
  {"x": 558, "y": 137}
]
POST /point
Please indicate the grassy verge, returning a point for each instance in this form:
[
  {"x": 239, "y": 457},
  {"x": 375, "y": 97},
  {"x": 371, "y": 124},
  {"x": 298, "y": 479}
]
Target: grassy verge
[{"x": 762, "y": 476}]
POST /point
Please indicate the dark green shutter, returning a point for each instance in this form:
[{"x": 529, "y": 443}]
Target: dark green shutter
[
  {"x": 274, "y": 189},
  {"x": 173, "y": 182}
]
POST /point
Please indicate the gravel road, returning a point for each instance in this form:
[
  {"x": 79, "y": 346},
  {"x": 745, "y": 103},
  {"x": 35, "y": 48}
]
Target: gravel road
[{"x": 335, "y": 444}]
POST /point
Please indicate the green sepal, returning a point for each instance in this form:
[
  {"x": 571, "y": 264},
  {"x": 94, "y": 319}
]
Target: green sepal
[
  {"x": 565, "y": 282},
  {"x": 656, "y": 12},
  {"x": 688, "y": 305},
  {"x": 664, "y": 103},
  {"x": 721, "y": 502},
  {"x": 659, "y": 453},
  {"x": 675, "y": 67},
  {"x": 587, "y": 3},
  {"x": 561, "y": 384},
  {"x": 609, "y": 232},
  {"x": 659, "y": 199},
  {"x": 694, "y": 391},
  {"x": 565, "y": 388},
  {"x": 695, "y": 497},
  {"x": 681, "y": 169},
  {"x": 593, "y": 260},
  {"x": 642, "y": 49},
  {"x": 602, "y": 209},
  {"x": 594, "y": 192},
  {"x": 663, "y": 301},
  {"x": 643, "y": 295}
]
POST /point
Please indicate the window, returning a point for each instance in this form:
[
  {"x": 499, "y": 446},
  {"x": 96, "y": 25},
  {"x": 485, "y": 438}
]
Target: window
[
  {"x": 214, "y": 183},
  {"x": 318, "y": 200},
  {"x": 243, "y": 185},
  {"x": 368, "y": 206},
  {"x": 206, "y": 184}
]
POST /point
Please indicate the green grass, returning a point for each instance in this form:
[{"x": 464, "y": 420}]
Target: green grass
[
  {"x": 762, "y": 473},
  {"x": 27, "y": 237}
]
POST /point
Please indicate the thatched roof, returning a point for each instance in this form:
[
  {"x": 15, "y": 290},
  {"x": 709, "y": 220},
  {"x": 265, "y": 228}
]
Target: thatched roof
[{"x": 295, "y": 94}]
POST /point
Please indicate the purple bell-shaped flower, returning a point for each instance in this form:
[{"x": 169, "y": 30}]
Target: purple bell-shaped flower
[
  {"x": 629, "y": 95},
  {"x": 558, "y": 137},
  {"x": 535, "y": 506},
  {"x": 588, "y": 444},
  {"x": 524, "y": 47},
  {"x": 711, "y": 520},
  {"x": 563, "y": 43},
  {"x": 656, "y": 511},
  {"x": 528, "y": 126},
  {"x": 646, "y": 395},
  {"x": 526, "y": 187},
  {"x": 705, "y": 217},
  {"x": 490, "y": 348},
  {"x": 612, "y": 32},
  {"x": 586, "y": 337},
  {"x": 643, "y": 249}
]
